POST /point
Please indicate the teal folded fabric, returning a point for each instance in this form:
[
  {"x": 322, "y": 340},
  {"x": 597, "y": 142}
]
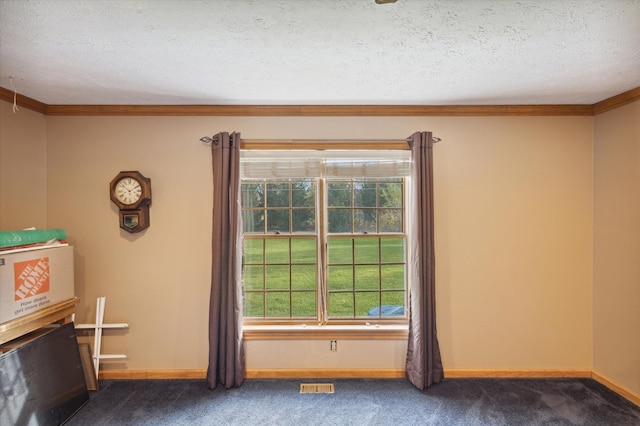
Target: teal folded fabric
[{"x": 21, "y": 238}]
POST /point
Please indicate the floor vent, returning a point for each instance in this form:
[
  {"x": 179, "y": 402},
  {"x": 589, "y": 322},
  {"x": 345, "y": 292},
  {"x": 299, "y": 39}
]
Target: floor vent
[{"x": 316, "y": 388}]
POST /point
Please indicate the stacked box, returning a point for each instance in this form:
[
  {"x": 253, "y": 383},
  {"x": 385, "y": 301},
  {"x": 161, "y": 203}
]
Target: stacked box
[{"x": 33, "y": 280}]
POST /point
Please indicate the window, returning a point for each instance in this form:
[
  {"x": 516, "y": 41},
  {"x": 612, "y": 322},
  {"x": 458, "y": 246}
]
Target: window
[
  {"x": 324, "y": 237},
  {"x": 365, "y": 248},
  {"x": 280, "y": 264}
]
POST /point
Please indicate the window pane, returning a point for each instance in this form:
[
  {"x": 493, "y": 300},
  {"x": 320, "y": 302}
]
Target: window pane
[
  {"x": 364, "y": 220},
  {"x": 339, "y": 220},
  {"x": 303, "y": 193},
  {"x": 277, "y": 277},
  {"x": 364, "y": 194},
  {"x": 339, "y": 194},
  {"x": 253, "y": 250},
  {"x": 303, "y": 220},
  {"x": 341, "y": 305},
  {"x": 366, "y": 250},
  {"x": 340, "y": 250},
  {"x": 278, "y": 194},
  {"x": 340, "y": 277},
  {"x": 253, "y": 304},
  {"x": 252, "y": 278},
  {"x": 303, "y": 304},
  {"x": 276, "y": 250},
  {"x": 392, "y": 277},
  {"x": 303, "y": 277},
  {"x": 278, "y": 304},
  {"x": 393, "y": 303},
  {"x": 365, "y": 301},
  {"x": 391, "y": 195},
  {"x": 278, "y": 221},
  {"x": 252, "y": 195},
  {"x": 367, "y": 277},
  {"x": 303, "y": 250},
  {"x": 392, "y": 250},
  {"x": 253, "y": 221},
  {"x": 391, "y": 220}
]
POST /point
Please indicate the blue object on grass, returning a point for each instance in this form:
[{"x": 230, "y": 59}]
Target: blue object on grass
[{"x": 387, "y": 311}]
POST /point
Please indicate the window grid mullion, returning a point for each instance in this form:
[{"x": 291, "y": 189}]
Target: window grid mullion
[
  {"x": 322, "y": 285},
  {"x": 264, "y": 276},
  {"x": 264, "y": 222},
  {"x": 353, "y": 210},
  {"x": 289, "y": 246},
  {"x": 353, "y": 274},
  {"x": 378, "y": 208},
  {"x": 379, "y": 275}
]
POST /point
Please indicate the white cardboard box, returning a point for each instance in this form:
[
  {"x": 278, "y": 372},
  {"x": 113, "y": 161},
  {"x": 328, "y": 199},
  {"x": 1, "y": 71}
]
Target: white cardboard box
[{"x": 33, "y": 280}]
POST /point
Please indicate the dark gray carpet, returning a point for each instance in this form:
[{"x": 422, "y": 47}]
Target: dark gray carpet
[{"x": 359, "y": 402}]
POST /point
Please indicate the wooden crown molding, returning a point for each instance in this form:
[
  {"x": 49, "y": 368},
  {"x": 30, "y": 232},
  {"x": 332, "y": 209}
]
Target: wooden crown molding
[
  {"x": 617, "y": 101},
  {"x": 325, "y": 110},
  {"x": 321, "y": 110},
  {"x": 23, "y": 101}
]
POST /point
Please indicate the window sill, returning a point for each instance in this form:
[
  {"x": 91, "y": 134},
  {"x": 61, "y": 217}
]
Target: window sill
[{"x": 326, "y": 332}]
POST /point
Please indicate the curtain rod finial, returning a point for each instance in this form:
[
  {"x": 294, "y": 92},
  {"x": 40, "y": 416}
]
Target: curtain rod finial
[{"x": 206, "y": 139}]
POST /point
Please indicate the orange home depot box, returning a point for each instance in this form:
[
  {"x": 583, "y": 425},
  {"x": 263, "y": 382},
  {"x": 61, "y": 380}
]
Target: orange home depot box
[{"x": 33, "y": 280}]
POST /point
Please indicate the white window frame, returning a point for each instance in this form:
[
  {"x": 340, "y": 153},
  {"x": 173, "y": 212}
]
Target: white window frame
[{"x": 363, "y": 327}]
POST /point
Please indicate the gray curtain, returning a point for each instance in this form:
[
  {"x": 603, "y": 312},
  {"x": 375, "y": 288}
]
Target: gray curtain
[
  {"x": 424, "y": 365},
  {"x": 226, "y": 350}
]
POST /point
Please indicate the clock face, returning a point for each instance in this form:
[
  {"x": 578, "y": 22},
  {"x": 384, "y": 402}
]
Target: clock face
[{"x": 128, "y": 190}]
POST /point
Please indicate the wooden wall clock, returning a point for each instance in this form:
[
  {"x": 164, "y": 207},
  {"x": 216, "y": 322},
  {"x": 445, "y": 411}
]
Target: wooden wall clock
[{"x": 131, "y": 192}]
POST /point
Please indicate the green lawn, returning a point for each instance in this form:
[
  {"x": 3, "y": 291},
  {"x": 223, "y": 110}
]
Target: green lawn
[{"x": 280, "y": 275}]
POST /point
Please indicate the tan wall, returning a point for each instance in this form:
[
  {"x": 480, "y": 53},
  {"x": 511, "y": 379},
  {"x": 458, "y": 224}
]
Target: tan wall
[
  {"x": 513, "y": 233},
  {"x": 616, "y": 331},
  {"x": 23, "y": 168}
]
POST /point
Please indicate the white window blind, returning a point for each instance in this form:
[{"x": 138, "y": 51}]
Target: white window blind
[{"x": 263, "y": 164}]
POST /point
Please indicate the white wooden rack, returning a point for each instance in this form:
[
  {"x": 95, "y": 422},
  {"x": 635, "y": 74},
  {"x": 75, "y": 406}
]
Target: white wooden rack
[{"x": 97, "y": 339}]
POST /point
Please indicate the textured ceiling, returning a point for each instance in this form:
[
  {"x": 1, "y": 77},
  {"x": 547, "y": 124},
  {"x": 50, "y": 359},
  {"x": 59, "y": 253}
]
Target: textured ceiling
[{"x": 315, "y": 52}]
